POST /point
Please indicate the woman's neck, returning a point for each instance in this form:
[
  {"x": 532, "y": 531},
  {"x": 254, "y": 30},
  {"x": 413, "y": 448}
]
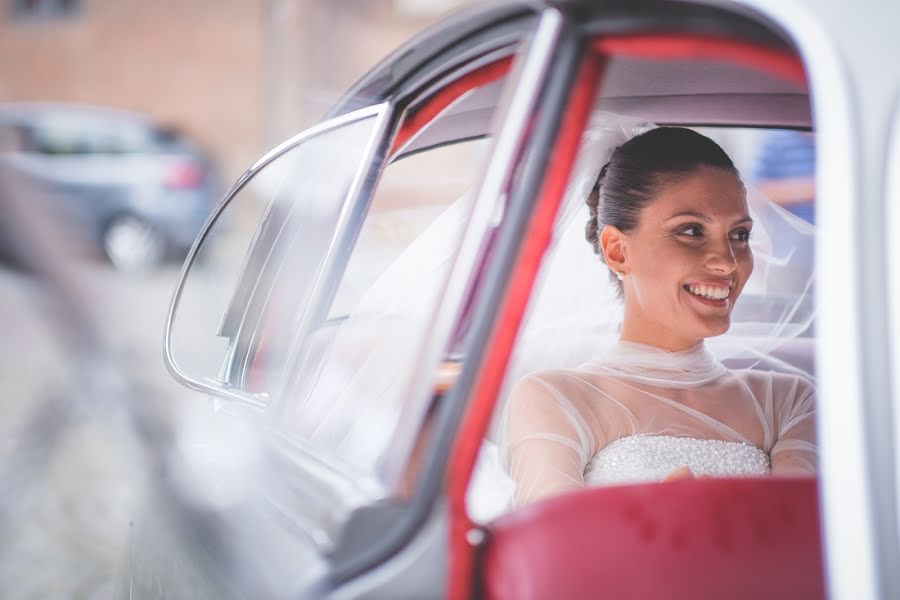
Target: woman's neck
[{"x": 654, "y": 335}]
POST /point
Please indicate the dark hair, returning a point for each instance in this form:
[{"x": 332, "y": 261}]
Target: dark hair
[{"x": 639, "y": 168}]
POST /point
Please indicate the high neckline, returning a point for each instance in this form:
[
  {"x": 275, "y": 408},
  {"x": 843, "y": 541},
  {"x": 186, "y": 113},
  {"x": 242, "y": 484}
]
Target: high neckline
[
  {"x": 626, "y": 345},
  {"x": 694, "y": 367}
]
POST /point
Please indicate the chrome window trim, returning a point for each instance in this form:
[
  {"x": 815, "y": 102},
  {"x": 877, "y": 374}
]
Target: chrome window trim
[
  {"x": 848, "y": 519},
  {"x": 379, "y": 111},
  {"x": 891, "y": 223}
]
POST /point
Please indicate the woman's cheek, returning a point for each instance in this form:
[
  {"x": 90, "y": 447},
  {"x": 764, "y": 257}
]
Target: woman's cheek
[{"x": 745, "y": 269}]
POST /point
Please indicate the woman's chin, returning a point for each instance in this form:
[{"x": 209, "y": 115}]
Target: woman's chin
[
  {"x": 716, "y": 329},
  {"x": 707, "y": 328}
]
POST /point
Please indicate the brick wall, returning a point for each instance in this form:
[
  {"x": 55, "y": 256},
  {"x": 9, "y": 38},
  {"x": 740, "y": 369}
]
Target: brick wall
[
  {"x": 238, "y": 75},
  {"x": 187, "y": 65}
]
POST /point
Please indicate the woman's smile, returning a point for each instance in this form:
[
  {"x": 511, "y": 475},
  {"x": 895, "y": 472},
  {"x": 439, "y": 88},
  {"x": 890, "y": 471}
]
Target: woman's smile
[
  {"x": 715, "y": 293},
  {"x": 708, "y": 296}
]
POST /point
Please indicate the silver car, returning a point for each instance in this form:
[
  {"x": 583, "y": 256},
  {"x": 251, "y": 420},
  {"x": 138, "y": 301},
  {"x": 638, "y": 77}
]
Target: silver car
[{"x": 136, "y": 191}]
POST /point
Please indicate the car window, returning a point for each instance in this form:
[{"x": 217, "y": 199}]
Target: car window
[
  {"x": 262, "y": 257},
  {"x": 341, "y": 400},
  {"x": 62, "y": 135},
  {"x": 337, "y": 398},
  {"x": 412, "y": 194}
]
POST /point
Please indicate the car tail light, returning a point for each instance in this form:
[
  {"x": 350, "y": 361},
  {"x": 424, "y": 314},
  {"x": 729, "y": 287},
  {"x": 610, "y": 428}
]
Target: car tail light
[{"x": 184, "y": 175}]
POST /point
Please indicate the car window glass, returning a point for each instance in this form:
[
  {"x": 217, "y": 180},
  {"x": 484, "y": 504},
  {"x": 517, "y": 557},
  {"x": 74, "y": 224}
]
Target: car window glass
[
  {"x": 411, "y": 195},
  {"x": 340, "y": 400},
  {"x": 278, "y": 227}
]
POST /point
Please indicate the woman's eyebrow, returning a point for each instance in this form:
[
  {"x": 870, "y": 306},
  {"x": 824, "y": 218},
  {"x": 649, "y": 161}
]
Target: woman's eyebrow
[
  {"x": 706, "y": 219},
  {"x": 690, "y": 213}
]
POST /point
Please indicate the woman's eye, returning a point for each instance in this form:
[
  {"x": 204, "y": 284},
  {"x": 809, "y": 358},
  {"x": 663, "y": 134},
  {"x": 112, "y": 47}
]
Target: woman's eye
[
  {"x": 692, "y": 231},
  {"x": 741, "y": 235}
]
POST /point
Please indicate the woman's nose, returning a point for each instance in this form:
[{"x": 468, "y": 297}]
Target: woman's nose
[{"x": 721, "y": 258}]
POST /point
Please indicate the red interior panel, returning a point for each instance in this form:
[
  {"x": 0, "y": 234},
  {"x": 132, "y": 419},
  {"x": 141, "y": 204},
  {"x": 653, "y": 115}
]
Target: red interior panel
[
  {"x": 698, "y": 539},
  {"x": 432, "y": 107}
]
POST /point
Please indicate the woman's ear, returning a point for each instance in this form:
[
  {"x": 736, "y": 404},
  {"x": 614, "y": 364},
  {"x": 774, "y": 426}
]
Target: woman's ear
[{"x": 612, "y": 241}]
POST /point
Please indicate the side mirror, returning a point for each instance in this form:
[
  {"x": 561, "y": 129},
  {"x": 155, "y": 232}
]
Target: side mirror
[{"x": 256, "y": 266}]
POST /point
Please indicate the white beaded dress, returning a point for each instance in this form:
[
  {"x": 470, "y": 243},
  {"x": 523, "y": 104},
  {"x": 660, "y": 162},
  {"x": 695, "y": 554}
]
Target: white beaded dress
[{"x": 639, "y": 413}]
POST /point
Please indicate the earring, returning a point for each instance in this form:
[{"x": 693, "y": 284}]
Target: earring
[{"x": 620, "y": 276}]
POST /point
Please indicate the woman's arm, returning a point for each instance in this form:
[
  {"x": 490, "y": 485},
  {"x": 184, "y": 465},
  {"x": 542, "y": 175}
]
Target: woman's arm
[
  {"x": 794, "y": 452},
  {"x": 547, "y": 442}
]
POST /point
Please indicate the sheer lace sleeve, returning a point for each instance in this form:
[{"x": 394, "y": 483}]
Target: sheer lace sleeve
[
  {"x": 547, "y": 442},
  {"x": 795, "y": 448}
]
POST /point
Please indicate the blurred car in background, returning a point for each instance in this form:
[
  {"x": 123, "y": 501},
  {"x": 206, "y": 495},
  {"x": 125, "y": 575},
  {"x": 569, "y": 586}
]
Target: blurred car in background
[{"x": 135, "y": 190}]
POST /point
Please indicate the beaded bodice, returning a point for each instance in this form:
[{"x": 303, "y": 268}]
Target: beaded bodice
[{"x": 653, "y": 457}]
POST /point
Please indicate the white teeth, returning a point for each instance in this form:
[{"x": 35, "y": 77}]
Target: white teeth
[{"x": 709, "y": 291}]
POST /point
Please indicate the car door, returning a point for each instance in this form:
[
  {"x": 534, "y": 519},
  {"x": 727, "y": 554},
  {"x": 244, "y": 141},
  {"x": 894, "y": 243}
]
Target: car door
[{"x": 274, "y": 310}]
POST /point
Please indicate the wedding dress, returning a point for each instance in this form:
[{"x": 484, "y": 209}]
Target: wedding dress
[{"x": 639, "y": 413}]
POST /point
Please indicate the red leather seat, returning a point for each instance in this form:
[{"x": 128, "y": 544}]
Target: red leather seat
[{"x": 704, "y": 538}]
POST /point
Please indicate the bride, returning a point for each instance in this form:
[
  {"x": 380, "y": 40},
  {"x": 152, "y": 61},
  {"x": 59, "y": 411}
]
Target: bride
[{"x": 670, "y": 219}]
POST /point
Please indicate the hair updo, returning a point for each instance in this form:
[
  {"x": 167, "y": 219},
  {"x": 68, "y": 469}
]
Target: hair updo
[{"x": 638, "y": 169}]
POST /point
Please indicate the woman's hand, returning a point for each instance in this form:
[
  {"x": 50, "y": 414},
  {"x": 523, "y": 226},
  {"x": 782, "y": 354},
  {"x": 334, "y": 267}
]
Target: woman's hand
[{"x": 680, "y": 473}]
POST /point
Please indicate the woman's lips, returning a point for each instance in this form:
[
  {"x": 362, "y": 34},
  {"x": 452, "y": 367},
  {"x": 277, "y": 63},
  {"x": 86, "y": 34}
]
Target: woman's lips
[
  {"x": 708, "y": 302},
  {"x": 718, "y": 289}
]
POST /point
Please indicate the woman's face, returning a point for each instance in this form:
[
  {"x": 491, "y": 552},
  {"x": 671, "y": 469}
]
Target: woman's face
[{"x": 687, "y": 260}]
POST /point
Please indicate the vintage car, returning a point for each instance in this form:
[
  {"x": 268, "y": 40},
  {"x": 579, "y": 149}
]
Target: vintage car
[{"x": 315, "y": 470}]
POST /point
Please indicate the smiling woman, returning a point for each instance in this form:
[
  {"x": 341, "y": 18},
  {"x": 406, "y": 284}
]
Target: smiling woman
[
  {"x": 670, "y": 219},
  {"x": 673, "y": 221}
]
